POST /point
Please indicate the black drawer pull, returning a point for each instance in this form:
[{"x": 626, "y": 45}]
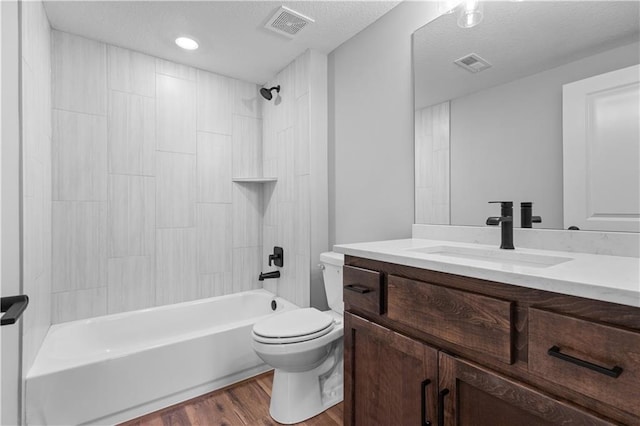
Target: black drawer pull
[
  {"x": 357, "y": 288},
  {"x": 614, "y": 372},
  {"x": 441, "y": 395},
  {"x": 423, "y": 403},
  {"x": 14, "y": 306}
]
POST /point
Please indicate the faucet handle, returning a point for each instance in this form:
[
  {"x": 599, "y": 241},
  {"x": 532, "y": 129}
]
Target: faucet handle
[
  {"x": 506, "y": 209},
  {"x": 526, "y": 218},
  {"x": 277, "y": 257},
  {"x": 504, "y": 203}
]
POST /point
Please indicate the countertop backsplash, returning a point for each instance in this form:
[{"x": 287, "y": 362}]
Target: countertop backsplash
[{"x": 594, "y": 242}]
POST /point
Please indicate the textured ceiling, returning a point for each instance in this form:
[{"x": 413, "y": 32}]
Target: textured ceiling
[
  {"x": 519, "y": 39},
  {"x": 231, "y": 35}
]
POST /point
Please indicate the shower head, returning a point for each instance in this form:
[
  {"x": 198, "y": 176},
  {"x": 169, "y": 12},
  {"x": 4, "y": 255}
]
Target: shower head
[{"x": 266, "y": 93}]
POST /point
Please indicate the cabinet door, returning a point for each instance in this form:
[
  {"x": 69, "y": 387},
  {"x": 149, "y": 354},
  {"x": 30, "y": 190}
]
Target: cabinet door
[
  {"x": 471, "y": 395},
  {"x": 389, "y": 378}
]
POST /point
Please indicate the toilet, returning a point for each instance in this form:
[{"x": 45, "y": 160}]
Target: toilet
[{"x": 305, "y": 348}]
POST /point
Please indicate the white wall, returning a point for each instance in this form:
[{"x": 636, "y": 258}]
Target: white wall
[
  {"x": 318, "y": 171},
  {"x": 371, "y": 177},
  {"x": 506, "y": 141}
]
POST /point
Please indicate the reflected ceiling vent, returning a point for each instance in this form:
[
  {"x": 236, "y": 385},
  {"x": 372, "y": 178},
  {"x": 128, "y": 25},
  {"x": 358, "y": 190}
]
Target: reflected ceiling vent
[
  {"x": 288, "y": 22},
  {"x": 473, "y": 63}
]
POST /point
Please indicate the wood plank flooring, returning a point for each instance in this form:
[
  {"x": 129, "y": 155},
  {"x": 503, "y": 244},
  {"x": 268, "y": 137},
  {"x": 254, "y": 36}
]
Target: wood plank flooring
[{"x": 245, "y": 403}]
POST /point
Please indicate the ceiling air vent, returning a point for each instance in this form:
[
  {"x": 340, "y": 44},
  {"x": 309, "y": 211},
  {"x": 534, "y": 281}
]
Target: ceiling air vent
[
  {"x": 288, "y": 22},
  {"x": 473, "y": 63}
]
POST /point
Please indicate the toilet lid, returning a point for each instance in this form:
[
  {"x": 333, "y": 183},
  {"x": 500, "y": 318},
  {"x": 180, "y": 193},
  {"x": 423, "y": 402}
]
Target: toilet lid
[{"x": 296, "y": 323}]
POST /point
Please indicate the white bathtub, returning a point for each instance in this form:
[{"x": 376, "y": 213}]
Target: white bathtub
[{"x": 114, "y": 368}]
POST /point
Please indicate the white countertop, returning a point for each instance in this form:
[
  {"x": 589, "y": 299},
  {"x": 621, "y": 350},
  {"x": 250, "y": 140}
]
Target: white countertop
[{"x": 613, "y": 279}]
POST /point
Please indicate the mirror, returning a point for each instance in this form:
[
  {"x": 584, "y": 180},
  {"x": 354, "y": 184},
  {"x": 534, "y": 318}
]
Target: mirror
[{"x": 497, "y": 133}]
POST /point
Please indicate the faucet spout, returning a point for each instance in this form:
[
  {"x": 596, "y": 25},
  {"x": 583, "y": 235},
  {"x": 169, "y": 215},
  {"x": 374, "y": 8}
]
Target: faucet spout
[
  {"x": 268, "y": 275},
  {"x": 495, "y": 221}
]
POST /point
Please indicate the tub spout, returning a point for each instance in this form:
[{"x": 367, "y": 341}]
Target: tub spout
[{"x": 267, "y": 275}]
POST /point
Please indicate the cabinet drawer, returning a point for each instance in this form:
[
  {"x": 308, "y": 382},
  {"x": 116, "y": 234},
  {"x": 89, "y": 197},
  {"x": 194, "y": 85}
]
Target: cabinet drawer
[
  {"x": 363, "y": 289},
  {"x": 472, "y": 321},
  {"x": 586, "y": 357}
]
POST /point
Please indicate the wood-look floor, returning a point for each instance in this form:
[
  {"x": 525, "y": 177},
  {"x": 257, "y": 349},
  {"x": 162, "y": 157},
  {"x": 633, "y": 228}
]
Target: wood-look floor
[{"x": 245, "y": 403}]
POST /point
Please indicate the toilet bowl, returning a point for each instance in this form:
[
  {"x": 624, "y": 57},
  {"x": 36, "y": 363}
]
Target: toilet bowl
[{"x": 305, "y": 348}]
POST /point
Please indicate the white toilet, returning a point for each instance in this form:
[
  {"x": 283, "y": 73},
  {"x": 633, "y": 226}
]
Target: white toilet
[{"x": 305, "y": 348}]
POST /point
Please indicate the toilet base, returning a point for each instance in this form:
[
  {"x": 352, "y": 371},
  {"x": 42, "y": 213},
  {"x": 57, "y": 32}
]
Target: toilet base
[{"x": 296, "y": 397}]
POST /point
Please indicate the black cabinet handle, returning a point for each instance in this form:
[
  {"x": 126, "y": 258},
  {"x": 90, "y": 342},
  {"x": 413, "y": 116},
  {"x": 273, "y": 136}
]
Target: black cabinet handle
[
  {"x": 441, "y": 395},
  {"x": 423, "y": 403},
  {"x": 614, "y": 372},
  {"x": 14, "y": 306},
  {"x": 357, "y": 288}
]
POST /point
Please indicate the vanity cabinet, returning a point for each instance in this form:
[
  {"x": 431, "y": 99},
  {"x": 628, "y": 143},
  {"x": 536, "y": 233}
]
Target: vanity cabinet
[{"x": 430, "y": 348}]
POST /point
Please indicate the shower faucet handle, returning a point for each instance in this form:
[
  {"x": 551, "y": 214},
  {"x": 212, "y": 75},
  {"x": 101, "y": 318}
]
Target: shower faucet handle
[{"x": 277, "y": 257}]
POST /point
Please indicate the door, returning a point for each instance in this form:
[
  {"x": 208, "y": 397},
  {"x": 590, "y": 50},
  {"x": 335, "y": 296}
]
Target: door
[
  {"x": 1, "y": 93},
  {"x": 601, "y": 151},
  {"x": 470, "y": 395},
  {"x": 10, "y": 367},
  {"x": 389, "y": 379}
]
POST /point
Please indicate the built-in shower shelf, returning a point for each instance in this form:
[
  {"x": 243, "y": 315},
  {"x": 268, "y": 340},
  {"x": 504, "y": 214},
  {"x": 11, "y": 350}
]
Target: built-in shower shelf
[{"x": 255, "y": 179}]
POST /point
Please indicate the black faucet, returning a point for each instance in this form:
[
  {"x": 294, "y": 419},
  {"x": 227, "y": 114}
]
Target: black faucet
[
  {"x": 526, "y": 210},
  {"x": 277, "y": 257},
  {"x": 506, "y": 220},
  {"x": 268, "y": 275}
]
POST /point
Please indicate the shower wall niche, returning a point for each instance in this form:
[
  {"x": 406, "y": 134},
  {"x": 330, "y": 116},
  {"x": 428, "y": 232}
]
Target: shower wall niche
[{"x": 145, "y": 210}]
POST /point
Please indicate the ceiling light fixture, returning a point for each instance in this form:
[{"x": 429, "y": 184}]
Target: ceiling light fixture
[
  {"x": 471, "y": 14},
  {"x": 187, "y": 43},
  {"x": 448, "y": 6}
]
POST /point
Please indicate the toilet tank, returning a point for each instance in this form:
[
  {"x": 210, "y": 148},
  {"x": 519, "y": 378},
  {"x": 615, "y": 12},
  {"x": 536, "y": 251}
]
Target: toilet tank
[{"x": 332, "y": 276}]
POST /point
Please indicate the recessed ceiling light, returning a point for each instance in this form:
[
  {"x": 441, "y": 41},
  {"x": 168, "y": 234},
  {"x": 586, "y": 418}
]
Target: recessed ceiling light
[{"x": 187, "y": 43}]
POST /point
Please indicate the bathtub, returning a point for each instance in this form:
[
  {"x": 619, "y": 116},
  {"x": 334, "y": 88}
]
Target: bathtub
[{"x": 109, "y": 369}]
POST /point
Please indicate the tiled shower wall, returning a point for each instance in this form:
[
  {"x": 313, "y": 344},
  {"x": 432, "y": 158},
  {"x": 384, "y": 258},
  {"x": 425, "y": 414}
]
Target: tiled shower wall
[
  {"x": 297, "y": 155},
  {"x": 432, "y": 186},
  {"x": 144, "y": 209},
  {"x": 36, "y": 169}
]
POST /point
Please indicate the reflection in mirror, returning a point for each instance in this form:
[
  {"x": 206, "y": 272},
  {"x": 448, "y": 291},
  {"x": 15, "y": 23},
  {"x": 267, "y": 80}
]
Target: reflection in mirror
[{"x": 497, "y": 133}]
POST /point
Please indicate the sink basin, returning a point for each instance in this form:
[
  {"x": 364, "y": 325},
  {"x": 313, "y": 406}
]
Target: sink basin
[{"x": 496, "y": 256}]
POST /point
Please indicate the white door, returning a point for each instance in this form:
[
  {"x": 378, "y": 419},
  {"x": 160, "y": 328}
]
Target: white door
[
  {"x": 10, "y": 370},
  {"x": 601, "y": 148},
  {"x": 0, "y": 205}
]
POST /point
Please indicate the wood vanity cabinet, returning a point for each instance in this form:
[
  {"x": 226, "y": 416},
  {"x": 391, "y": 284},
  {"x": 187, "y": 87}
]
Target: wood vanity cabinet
[{"x": 430, "y": 348}]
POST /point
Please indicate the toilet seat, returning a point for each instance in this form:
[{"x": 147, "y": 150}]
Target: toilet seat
[{"x": 293, "y": 326}]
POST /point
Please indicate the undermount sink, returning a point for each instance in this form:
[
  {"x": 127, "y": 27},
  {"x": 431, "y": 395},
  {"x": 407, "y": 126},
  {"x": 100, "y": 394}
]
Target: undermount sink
[{"x": 497, "y": 256}]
